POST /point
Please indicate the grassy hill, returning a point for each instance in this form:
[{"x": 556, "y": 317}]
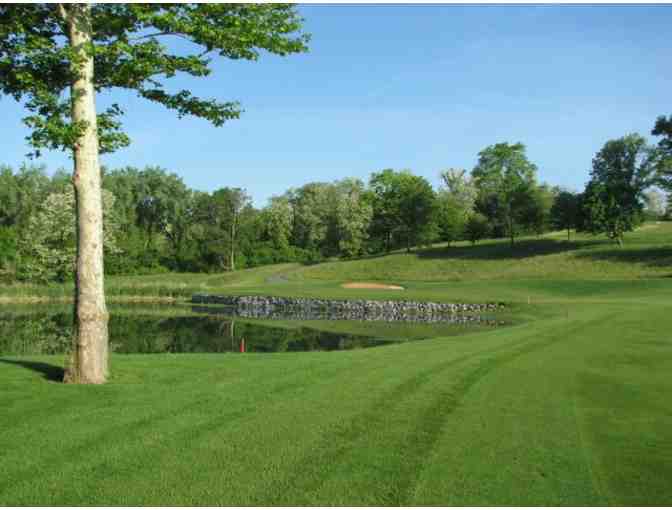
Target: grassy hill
[
  {"x": 647, "y": 254},
  {"x": 570, "y": 407}
]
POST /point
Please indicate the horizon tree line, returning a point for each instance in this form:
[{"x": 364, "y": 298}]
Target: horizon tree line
[{"x": 153, "y": 222}]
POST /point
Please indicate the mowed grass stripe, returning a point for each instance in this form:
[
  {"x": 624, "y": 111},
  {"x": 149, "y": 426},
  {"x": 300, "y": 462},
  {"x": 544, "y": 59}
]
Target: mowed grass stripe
[
  {"x": 392, "y": 462},
  {"x": 534, "y": 434},
  {"x": 425, "y": 368},
  {"x": 166, "y": 403},
  {"x": 395, "y": 407}
]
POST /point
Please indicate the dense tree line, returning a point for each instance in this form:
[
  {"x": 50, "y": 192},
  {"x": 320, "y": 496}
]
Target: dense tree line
[{"x": 153, "y": 222}]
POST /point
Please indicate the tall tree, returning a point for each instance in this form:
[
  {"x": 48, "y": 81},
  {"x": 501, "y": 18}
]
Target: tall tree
[
  {"x": 505, "y": 178},
  {"x": 536, "y": 208},
  {"x": 564, "y": 212},
  {"x": 48, "y": 49},
  {"x": 404, "y": 207},
  {"x": 9, "y": 197},
  {"x": 663, "y": 128},
  {"x": 451, "y": 218},
  {"x": 654, "y": 204},
  {"x": 622, "y": 170},
  {"x": 276, "y": 222},
  {"x": 668, "y": 208},
  {"x": 353, "y": 216},
  {"x": 236, "y": 200},
  {"x": 476, "y": 228},
  {"x": 417, "y": 210},
  {"x": 460, "y": 186},
  {"x": 314, "y": 226},
  {"x": 162, "y": 206},
  {"x": 219, "y": 215},
  {"x": 455, "y": 203},
  {"x": 386, "y": 199},
  {"x": 21, "y": 193}
]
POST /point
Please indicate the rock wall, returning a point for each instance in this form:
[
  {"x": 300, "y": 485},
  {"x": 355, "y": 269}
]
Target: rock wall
[{"x": 356, "y": 309}]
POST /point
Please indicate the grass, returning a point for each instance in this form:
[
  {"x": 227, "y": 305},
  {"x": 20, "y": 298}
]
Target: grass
[
  {"x": 555, "y": 412},
  {"x": 536, "y": 269},
  {"x": 164, "y": 287},
  {"x": 647, "y": 254},
  {"x": 569, "y": 407}
]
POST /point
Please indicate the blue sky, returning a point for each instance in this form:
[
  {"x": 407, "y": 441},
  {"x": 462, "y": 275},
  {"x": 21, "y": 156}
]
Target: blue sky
[{"x": 419, "y": 87}]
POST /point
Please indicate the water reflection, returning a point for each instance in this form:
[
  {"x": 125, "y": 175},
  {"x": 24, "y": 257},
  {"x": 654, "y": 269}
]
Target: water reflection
[
  {"x": 48, "y": 330},
  {"x": 50, "y": 333},
  {"x": 212, "y": 334}
]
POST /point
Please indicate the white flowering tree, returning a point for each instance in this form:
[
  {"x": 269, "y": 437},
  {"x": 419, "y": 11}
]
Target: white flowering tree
[
  {"x": 50, "y": 247},
  {"x": 353, "y": 216}
]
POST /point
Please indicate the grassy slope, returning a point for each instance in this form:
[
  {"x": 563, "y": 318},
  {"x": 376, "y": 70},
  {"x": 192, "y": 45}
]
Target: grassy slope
[
  {"x": 536, "y": 268},
  {"x": 647, "y": 254},
  {"x": 569, "y": 409}
]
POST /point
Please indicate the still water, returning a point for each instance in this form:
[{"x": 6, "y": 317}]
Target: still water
[{"x": 47, "y": 329}]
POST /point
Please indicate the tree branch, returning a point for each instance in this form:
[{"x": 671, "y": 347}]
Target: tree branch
[
  {"x": 159, "y": 34},
  {"x": 147, "y": 36},
  {"x": 62, "y": 12},
  {"x": 63, "y": 17}
]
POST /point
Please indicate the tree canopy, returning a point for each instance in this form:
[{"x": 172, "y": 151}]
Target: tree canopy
[
  {"x": 404, "y": 206},
  {"x": 622, "y": 170},
  {"x": 565, "y": 211},
  {"x": 505, "y": 180},
  {"x": 663, "y": 128},
  {"x": 128, "y": 53}
]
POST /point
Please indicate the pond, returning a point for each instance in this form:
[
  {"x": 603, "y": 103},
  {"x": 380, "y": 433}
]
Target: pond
[{"x": 134, "y": 329}]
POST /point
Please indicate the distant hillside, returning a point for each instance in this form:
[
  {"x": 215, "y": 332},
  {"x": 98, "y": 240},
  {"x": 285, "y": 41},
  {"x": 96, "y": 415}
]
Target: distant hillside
[{"x": 647, "y": 253}]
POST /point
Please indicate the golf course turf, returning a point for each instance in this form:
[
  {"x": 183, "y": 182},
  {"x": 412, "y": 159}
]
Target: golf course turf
[{"x": 571, "y": 405}]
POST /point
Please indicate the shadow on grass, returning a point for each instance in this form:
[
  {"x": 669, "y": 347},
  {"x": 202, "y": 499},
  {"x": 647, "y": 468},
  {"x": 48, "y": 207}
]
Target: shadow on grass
[
  {"x": 501, "y": 251},
  {"x": 489, "y": 250},
  {"x": 652, "y": 257},
  {"x": 49, "y": 372}
]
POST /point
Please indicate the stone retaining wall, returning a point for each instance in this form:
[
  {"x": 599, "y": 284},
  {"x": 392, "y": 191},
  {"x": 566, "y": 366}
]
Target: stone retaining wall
[
  {"x": 251, "y": 306},
  {"x": 312, "y": 314}
]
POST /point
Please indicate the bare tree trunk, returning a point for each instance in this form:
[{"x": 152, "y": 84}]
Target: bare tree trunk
[{"x": 89, "y": 364}]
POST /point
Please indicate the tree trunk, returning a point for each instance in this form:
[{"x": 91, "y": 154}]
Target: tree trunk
[
  {"x": 509, "y": 224},
  {"x": 233, "y": 242},
  {"x": 89, "y": 364},
  {"x": 511, "y": 234}
]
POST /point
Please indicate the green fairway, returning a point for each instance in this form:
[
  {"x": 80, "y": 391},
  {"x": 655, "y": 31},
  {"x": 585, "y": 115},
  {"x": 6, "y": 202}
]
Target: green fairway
[
  {"x": 569, "y": 406},
  {"x": 561, "y": 411}
]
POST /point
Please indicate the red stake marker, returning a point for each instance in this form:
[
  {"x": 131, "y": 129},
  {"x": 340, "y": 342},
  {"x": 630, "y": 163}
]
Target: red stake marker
[{"x": 242, "y": 345}]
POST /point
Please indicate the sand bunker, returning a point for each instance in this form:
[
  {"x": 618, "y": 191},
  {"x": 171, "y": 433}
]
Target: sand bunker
[{"x": 365, "y": 285}]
